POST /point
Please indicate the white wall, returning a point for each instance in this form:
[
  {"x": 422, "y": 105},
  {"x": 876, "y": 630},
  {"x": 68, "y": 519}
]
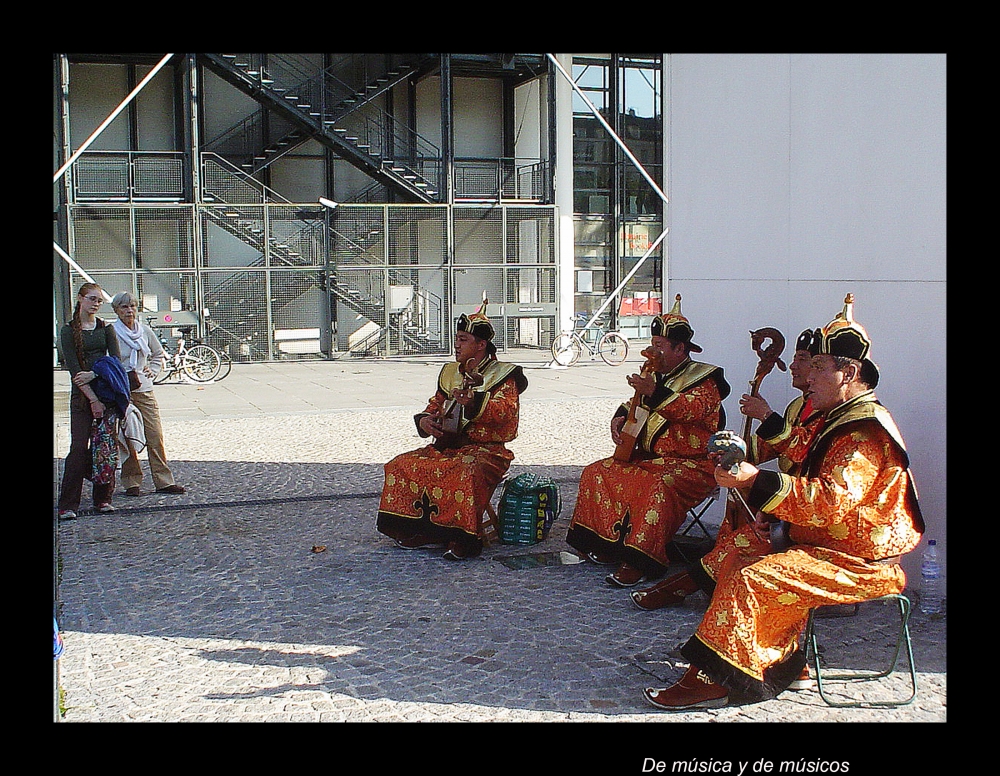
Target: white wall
[
  {"x": 478, "y": 108},
  {"x": 795, "y": 179}
]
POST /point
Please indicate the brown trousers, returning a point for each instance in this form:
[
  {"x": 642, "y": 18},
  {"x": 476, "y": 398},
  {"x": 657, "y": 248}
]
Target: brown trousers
[
  {"x": 145, "y": 402},
  {"x": 79, "y": 463}
]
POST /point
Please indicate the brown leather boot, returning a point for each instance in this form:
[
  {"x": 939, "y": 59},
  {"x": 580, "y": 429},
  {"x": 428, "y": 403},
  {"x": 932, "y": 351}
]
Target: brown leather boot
[
  {"x": 625, "y": 576},
  {"x": 803, "y": 682},
  {"x": 670, "y": 592},
  {"x": 694, "y": 691}
]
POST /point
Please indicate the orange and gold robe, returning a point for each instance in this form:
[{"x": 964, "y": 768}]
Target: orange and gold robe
[
  {"x": 441, "y": 490},
  {"x": 853, "y": 510},
  {"x": 631, "y": 511},
  {"x": 783, "y": 437}
]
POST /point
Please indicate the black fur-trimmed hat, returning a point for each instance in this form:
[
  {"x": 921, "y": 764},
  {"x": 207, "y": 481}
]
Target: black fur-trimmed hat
[
  {"x": 674, "y": 326},
  {"x": 807, "y": 342},
  {"x": 477, "y": 324},
  {"x": 843, "y": 336}
]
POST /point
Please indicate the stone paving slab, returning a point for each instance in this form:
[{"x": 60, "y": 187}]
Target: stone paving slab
[{"x": 214, "y": 606}]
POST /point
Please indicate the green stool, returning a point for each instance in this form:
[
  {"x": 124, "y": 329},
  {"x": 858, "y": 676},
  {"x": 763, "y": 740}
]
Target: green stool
[{"x": 902, "y": 640}]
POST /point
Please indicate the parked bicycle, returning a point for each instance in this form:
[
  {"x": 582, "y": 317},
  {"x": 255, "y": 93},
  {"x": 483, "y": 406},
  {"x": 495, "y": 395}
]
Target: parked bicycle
[
  {"x": 198, "y": 363},
  {"x": 611, "y": 346}
]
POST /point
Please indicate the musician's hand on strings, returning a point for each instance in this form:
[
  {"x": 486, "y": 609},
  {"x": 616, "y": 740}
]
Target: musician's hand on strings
[
  {"x": 431, "y": 426},
  {"x": 744, "y": 478},
  {"x": 644, "y": 385},
  {"x": 754, "y": 407},
  {"x": 616, "y": 429}
]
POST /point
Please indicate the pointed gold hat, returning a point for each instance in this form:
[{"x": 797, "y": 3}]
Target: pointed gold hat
[
  {"x": 674, "y": 326},
  {"x": 843, "y": 336}
]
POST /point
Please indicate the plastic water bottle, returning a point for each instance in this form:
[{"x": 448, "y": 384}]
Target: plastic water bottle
[{"x": 930, "y": 581}]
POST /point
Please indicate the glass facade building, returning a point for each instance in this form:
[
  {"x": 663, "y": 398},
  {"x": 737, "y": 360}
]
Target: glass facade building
[
  {"x": 617, "y": 214},
  {"x": 202, "y": 195}
]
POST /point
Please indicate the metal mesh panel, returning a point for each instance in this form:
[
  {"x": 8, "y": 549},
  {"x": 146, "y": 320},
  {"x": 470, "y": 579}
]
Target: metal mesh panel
[
  {"x": 531, "y": 308},
  {"x": 471, "y": 282},
  {"x": 532, "y": 180},
  {"x": 220, "y": 183},
  {"x": 532, "y": 285},
  {"x": 233, "y": 236},
  {"x": 101, "y": 176},
  {"x": 294, "y": 241},
  {"x": 418, "y": 235},
  {"x": 164, "y": 238},
  {"x": 476, "y": 179},
  {"x": 531, "y": 235},
  {"x": 535, "y": 332},
  {"x": 478, "y": 235},
  {"x": 166, "y": 297},
  {"x": 237, "y": 306},
  {"x": 102, "y": 237},
  {"x": 158, "y": 176},
  {"x": 299, "y": 314},
  {"x": 417, "y": 310},
  {"x": 359, "y": 297},
  {"x": 357, "y": 235}
]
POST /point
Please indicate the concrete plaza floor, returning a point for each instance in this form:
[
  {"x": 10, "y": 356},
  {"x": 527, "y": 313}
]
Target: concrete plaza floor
[{"x": 265, "y": 594}]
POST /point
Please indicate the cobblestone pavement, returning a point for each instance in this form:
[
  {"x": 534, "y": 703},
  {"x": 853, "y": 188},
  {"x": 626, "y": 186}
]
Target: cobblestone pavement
[{"x": 265, "y": 594}]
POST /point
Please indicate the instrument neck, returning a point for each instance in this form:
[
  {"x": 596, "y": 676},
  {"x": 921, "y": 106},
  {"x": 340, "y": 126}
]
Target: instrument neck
[
  {"x": 647, "y": 369},
  {"x": 754, "y": 391}
]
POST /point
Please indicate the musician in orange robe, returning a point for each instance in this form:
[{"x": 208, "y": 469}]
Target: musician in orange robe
[
  {"x": 627, "y": 513},
  {"x": 783, "y": 437},
  {"x": 853, "y": 512},
  {"x": 435, "y": 496}
]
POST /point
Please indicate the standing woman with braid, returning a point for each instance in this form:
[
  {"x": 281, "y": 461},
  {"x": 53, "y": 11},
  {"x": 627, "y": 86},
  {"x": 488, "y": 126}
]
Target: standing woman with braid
[{"x": 82, "y": 341}]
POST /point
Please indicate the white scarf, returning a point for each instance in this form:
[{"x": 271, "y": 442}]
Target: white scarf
[{"x": 135, "y": 339}]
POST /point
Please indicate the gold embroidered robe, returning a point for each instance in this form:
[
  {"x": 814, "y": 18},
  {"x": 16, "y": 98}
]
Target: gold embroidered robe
[
  {"x": 783, "y": 437},
  {"x": 442, "y": 491},
  {"x": 631, "y": 511},
  {"x": 853, "y": 505}
]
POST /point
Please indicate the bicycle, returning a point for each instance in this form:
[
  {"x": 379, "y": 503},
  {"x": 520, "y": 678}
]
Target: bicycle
[
  {"x": 611, "y": 346},
  {"x": 199, "y": 363}
]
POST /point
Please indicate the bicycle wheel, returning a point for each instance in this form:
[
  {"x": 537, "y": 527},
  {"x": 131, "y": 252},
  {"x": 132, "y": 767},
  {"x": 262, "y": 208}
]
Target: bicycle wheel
[
  {"x": 613, "y": 348},
  {"x": 165, "y": 372},
  {"x": 202, "y": 363},
  {"x": 566, "y": 349},
  {"x": 226, "y": 366}
]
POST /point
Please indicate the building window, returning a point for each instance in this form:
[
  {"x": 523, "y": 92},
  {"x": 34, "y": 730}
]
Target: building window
[{"x": 611, "y": 197}]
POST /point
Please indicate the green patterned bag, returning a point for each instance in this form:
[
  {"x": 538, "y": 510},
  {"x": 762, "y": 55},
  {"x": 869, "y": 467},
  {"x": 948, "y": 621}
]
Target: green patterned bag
[{"x": 529, "y": 504}]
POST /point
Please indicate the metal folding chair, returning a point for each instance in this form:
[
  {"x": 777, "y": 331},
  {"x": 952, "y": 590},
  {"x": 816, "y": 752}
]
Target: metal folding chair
[
  {"x": 690, "y": 550},
  {"x": 813, "y": 651}
]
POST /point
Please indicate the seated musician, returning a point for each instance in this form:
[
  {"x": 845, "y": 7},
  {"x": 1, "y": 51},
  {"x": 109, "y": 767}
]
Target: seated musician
[
  {"x": 783, "y": 437},
  {"x": 630, "y": 505},
  {"x": 435, "y": 496},
  {"x": 853, "y": 512}
]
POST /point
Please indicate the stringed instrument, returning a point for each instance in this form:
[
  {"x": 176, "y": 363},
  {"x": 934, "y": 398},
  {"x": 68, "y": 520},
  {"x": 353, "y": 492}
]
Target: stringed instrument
[
  {"x": 625, "y": 451},
  {"x": 451, "y": 413},
  {"x": 769, "y": 357}
]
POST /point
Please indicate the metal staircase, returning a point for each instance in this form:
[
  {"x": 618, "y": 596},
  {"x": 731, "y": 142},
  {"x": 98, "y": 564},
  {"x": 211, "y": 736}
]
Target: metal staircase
[
  {"x": 322, "y": 106},
  {"x": 225, "y": 185},
  {"x": 249, "y": 143}
]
